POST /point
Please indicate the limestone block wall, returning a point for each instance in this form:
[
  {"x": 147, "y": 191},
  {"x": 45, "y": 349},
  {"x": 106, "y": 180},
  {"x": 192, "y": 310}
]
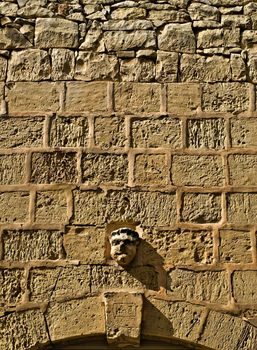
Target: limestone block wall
[{"x": 128, "y": 113}]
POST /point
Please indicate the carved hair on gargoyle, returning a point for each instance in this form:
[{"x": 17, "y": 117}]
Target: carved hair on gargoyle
[{"x": 124, "y": 242}]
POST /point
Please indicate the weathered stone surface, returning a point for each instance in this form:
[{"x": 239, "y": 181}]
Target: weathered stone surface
[
  {"x": 176, "y": 247},
  {"x": 226, "y": 97},
  {"x": 123, "y": 40},
  {"x": 86, "y": 244},
  {"x": 86, "y": 97},
  {"x": 17, "y": 132},
  {"x": 29, "y": 65},
  {"x": 85, "y": 316},
  {"x": 27, "y": 245},
  {"x": 123, "y": 318},
  {"x": 235, "y": 246},
  {"x": 51, "y": 207},
  {"x": 159, "y": 17},
  {"x": 128, "y": 13},
  {"x": 14, "y": 207},
  {"x": 94, "y": 66},
  {"x": 138, "y": 97},
  {"x": 108, "y": 169},
  {"x": 12, "y": 169},
  {"x": 238, "y": 67},
  {"x": 93, "y": 40},
  {"x": 199, "y": 68},
  {"x": 201, "y": 208},
  {"x": 197, "y": 171},
  {"x": 92, "y": 207},
  {"x": 33, "y": 98},
  {"x": 109, "y": 132},
  {"x": 127, "y": 25},
  {"x": 178, "y": 319},
  {"x": 137, "y": 69},
  {"x": 56, "y": 33},
  {"x": 63, "y": 64},
  {"x": 244, "y": 286},
  {"x": 11, "y": 286},
  {"x": 206, "y": 133},
  {"x": 109, "y": 278},
  {"x": 12, "y": 38},
  {"x": 242, "y": 169},
  {"x": 54, "y": 167},
  {"x": 161, "y": 132},
  {"x": 23, "y": 330},
  {"x": 8, "y": 9},
  {"x": 210, "y": 286},
  {"x": 69, "y": 132},
  {"x": 3, "y": 68},
  {"x": 183, "y": 97},
  {"x": 242, "y": 208},
  {"x": 151, "y": 169},
  {"x": 177, "y": 37},
  {"x": 51, "y": 284},
  {"x": 243, "y": 132},
  {"x": 167, "y": 66},
  {"x": 199, "y": 12}
]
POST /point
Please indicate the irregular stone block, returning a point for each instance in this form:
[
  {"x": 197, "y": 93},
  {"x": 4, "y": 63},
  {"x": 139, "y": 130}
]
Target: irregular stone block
[
  {"x": 225, "y": 97},
  {"x": 86, "y": 317},
  {"x": 63, "y": 64},
  {"x": 127, "y": 25},
  {"x": 183, "y": 97},
  {"x": 242, "y": 169},
  {"x": 200, "y": 68},
  {"x": 14, "y": 207},
  {"x": 209, "y": 286},
  {"x": 177, "y": 37},
  {"x": 11, "y": 286},
  {"x": 235, "y": 247},
  {"x": 109, "y": 278},
  {"x": 151, "y": 169},
  {"x": 23, "y": 330},
  {"x": 50, "y": 284},
  {"x": 86, "y": 244},
  {"x": 206, "y": 133},
  {"x": 56, "y": 33},
  {"x": 152, "y": 132},
  {"x": 109, "y": 132},
  {"x": 123, "y": 312},
  {"x": 29, "y": 65},
  {"x": 201, "y": 208},
  {"x": 238, "y": 67},
  {"x": 96, "y": 208},
  {"x": 69, "y": 132},
  {"x": 27, "y": 245},
  {"x": 12, "y": 38},
  {"x": 242, "y": 208},
  {"x": 123, "y": 40},
  {"x": 166, "y": 16},
  {"x": 25, "y": 98},
  {"x": 199, "y": 11},
  {"x": 21, "y": 132},
  {"x": 51, "y": 207},
  {"x": 209, "y": 38},
  {"x": 197, "y": 171},
  {"x": 3, "y": 68},
  {"x": 99, "y": 169},
  {"x": 12, "y": 169},
  {"x": 128, "y": 13},
  {"x": 137, "y": 69},
  {"x": 167, "y": 66},
  {"x": 176, "y": 247},
  {"x": 8, "y": 9},
  {"x": 95, "y": 66},
  {"x": 86, "y": 97},
  {"x": 243, "y": 132},
  {"x": 137, "y": 97},
  {"x": 54, "y": 167}
]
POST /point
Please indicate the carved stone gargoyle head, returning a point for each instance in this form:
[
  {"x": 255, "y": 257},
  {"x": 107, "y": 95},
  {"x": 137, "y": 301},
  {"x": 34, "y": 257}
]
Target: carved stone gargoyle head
[{"x": 124, "y": 243}]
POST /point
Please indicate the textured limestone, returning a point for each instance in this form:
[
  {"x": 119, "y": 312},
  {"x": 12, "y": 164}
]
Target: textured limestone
[
  {"x": 51, "y": 207},
  {"x": 3, "y": 68},
  {"x": 11, "y": 286},
  {"x": 32, "y": 245},
  {"x": 242, "y": 208},
  {"x": 244, "y": 283},
  {"x": 167, "y": 66},
  {"x": 12, "y": 38},
  {"x": 12, "y": 169},
  {"x": 151, "y": 169},
  {"x": 14, "y": 207},
  {"x": 183, "y": 98},
  {"x": 235, "y": 246},
  {"x": 124, "y": 40},
  {"x": 63, "y": 64},
  {"x": 109, "y": 132},
  {"x": 242, "y": 169},
  {"x": 243, "y": 132},
  {"x": 137, "y": 69}
]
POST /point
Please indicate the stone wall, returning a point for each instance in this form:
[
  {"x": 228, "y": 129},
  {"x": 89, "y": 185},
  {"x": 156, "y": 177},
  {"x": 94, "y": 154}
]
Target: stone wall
[{"x": 128, "y": 113}]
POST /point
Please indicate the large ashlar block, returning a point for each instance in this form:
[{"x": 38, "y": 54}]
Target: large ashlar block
[
  {"x": 123, "y": 312},
  {"x": 244, "y": 286},
  {"x": 109, "y": 132},
  {"x": 12, "y": 169},
  {"x": 235, "y": 247},
  {"x": 137, "y": 69},
  {"x": 242, "y": 208},
  {"x": 243, "y": 132},
  {"x": 25, "y": 245},
  {"x": 51, "y": 207},
  {"x": 26, "y": 98},
  {"x": 56, "y": 33},
  {"x": 137, "y": 97},
  {"x": 193, "y": 170},
  {"x": 14, "y": 207},
  {"x": 242, "y": 169},
  {"x": 125, "y": 40},
  {"x": 156, "y": 132},
  {"x": 167, "y": 66},
  {"x": 63, "y": 64},
  {"x": 183, "y": 98},
  {"x": 151, "y": 169},
  {"x": 11, "y": 281}
]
